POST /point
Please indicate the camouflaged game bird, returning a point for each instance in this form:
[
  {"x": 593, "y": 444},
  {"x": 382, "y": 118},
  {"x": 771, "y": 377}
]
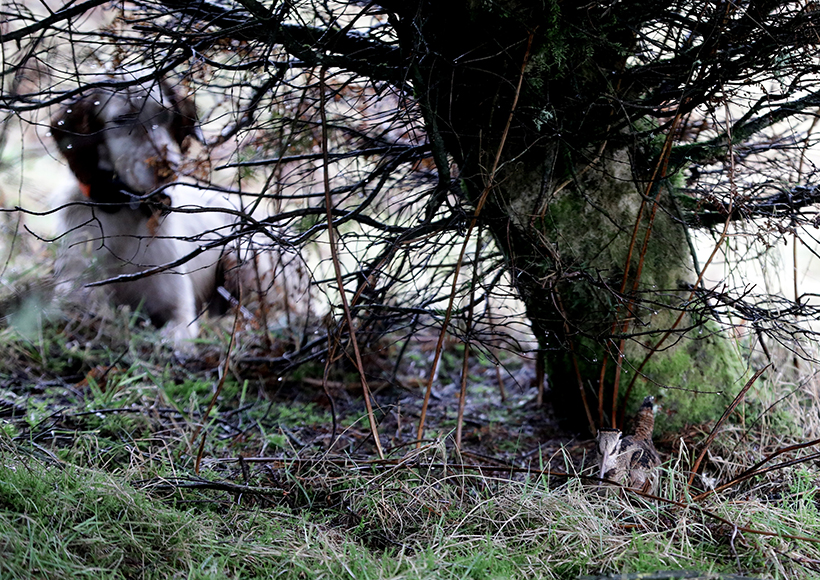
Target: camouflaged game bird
[{"x": 631, "y": 460}]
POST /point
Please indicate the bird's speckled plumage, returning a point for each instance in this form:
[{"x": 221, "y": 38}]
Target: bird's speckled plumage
[{"x": 631, "y": 460}]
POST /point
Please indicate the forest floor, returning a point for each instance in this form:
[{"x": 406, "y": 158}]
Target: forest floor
[{"x": 124, "y": 459}]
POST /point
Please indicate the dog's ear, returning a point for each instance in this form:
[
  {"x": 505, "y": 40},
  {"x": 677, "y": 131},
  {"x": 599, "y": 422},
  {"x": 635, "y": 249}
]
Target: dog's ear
[
  {"x": 184, "y": 124},
  {"x": 78, "y": 131}
]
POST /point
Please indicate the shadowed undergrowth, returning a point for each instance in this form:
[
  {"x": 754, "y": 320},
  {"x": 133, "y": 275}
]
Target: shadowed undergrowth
[
  {"x": 416, "y": 520},
  {"x": 112, "y": 468}
]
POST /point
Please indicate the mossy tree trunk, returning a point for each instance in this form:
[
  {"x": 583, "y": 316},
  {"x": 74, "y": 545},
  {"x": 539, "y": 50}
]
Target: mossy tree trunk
[{"x": 580, "y": 203}]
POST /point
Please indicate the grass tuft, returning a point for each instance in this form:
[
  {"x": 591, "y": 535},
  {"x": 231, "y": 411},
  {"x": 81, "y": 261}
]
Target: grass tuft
[{"x": 98, "y": 475}]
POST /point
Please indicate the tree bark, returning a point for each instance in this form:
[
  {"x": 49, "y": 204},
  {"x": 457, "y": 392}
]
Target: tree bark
[{"x": 580, "y": 204}]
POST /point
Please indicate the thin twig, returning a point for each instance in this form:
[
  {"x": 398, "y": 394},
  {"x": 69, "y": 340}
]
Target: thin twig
[
  {"x": 332, "y": 342},
  {"x": 755, "y": 469},
  {"x": 331, "y": 234},
  {"x": 658, "y": 174},
  {"x": 218, "y": 390},
  {"x": 701, "y": 274},
  {"x": 479, "y": 206},
  {"x": 415, "y": 464},
  {"x": 575, "y": 367},
  {"x": 465, "y": 366},
  {"x": 720, "y": 422}
]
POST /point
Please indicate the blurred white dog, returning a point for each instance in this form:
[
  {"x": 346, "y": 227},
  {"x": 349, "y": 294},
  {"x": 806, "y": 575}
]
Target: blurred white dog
[{"x": 123, "y": 145}]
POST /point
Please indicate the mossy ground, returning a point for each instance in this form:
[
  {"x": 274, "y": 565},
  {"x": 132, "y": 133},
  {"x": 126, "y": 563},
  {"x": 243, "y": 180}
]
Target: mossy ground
[{"x": 110, "y": 469}]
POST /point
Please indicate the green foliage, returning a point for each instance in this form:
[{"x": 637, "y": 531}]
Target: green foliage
[
  {"x": 557, "y": 48},
  {"x": 298, "y": 414},
  {"x": 277, "y": 441},
  {"x": 307, "y": 370},
  {"x": 564, "y": 51},
  {"x": 196, "y": 389},
  {"x": 308, "y": 221}
]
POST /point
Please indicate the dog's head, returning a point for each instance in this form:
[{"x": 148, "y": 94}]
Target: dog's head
[{"x": 124, "y": 138}]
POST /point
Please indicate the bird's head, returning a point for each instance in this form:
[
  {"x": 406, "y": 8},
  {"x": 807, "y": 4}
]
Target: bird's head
[{"x": 608, "y": 442}]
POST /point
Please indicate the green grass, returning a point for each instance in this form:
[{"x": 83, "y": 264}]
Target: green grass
[
  {"x": 62, "y": 521},
  {"x": 99, "y": 479}
]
